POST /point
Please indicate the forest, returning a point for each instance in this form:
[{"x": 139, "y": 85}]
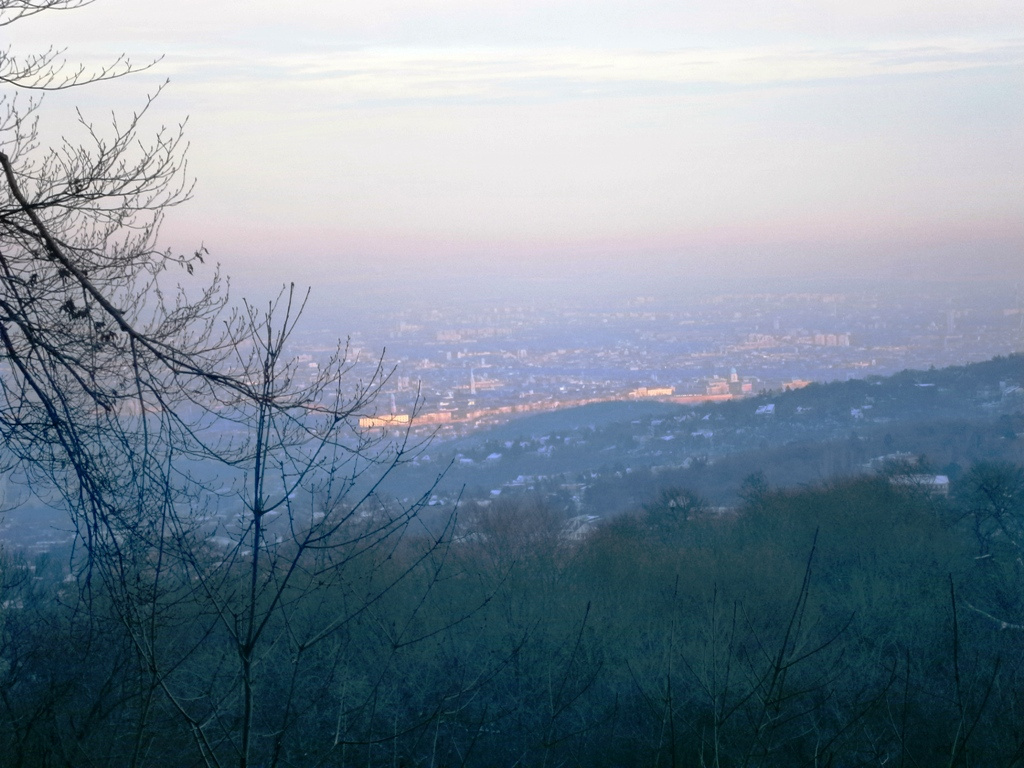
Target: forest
[{"x": 864, "y": 622}]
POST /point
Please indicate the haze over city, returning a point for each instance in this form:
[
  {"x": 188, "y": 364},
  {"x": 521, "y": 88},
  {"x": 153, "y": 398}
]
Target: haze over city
[
  {"x": 658, "y": 397},
  {"x": 578, "y": 146}
]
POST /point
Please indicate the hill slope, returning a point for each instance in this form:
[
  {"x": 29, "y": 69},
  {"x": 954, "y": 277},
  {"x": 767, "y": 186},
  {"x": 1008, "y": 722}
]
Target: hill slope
[{"x": 953, "y": 415}]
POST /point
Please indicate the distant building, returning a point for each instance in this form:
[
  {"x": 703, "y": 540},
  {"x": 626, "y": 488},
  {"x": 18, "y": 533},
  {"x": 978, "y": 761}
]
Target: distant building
[
  {"x": 380, "y": 422},
  {"x": 828, "y": 340},
  {"x": 438, "y": 417},
  {"x": 739, "y": 387},
  {"x": 716, "y": 385},
  {"x": 937, "y": 485},
  {"x": 579, "y": 527},
  {"x": 652, "y": 392}
]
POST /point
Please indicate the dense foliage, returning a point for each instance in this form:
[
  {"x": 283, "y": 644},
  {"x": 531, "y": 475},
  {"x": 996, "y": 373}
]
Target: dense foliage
[{"x": 865, "y": 622}]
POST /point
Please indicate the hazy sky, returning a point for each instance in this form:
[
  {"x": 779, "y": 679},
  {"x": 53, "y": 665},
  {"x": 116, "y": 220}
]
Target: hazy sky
[{"x": 413, "y": 137}]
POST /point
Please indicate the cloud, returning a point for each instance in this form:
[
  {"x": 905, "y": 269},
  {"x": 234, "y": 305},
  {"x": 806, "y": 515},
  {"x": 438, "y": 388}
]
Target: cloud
[{"x": 444, "y": 74}]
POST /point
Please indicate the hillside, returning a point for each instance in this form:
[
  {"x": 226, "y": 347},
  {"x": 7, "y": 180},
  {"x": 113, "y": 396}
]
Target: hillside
[
  {"x": 617, "y": 454},
  {"x": 610, "y": 457}
]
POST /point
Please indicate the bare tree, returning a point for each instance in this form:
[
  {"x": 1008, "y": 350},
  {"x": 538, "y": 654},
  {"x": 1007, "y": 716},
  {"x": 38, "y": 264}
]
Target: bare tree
[
  {"x": 306, "y": 546},
  {"x": 231, "y": 513},
  {"x": 98, "y": 346}
]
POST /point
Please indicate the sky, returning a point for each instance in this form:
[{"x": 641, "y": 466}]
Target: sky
[{"x": 336, "y": 143}]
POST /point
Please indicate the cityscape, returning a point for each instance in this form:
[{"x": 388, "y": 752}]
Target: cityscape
[{"x": 458, "y": 369}]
